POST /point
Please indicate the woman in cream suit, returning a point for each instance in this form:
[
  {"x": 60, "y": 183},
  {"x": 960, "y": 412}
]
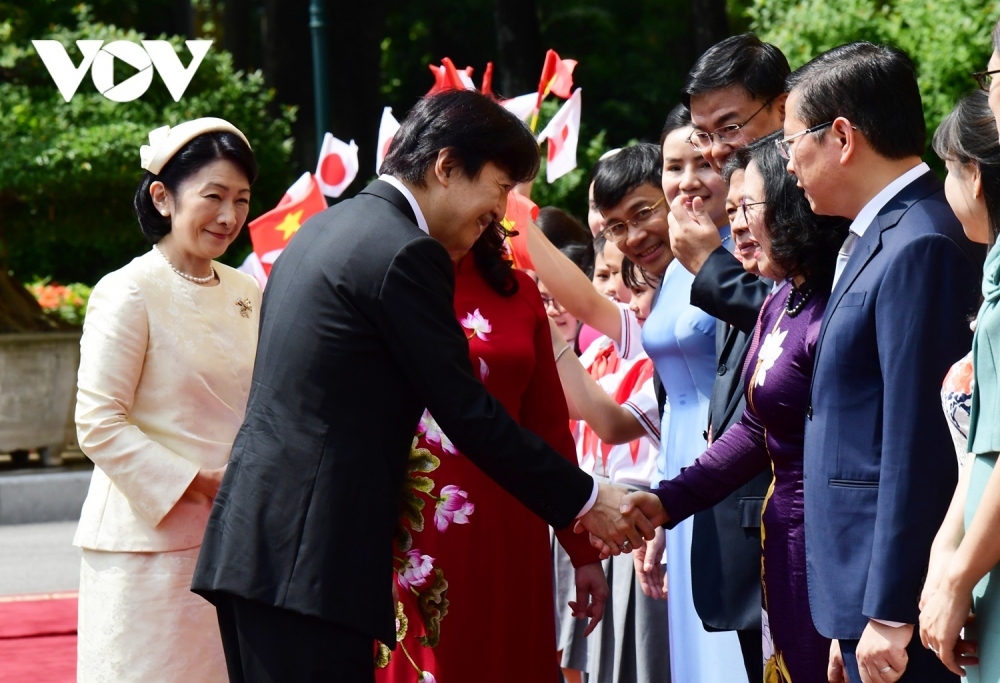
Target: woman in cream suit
[{"x": 166, "y": 359}]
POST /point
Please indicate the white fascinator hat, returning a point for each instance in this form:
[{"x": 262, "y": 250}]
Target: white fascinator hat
[{"x": 165, "y": 141}]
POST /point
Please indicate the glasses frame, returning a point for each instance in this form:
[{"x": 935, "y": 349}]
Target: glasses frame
[
  {"x": 744, "y": 204},
  {"x": 785, "y": 149},
  {"x": 632, "y": 221},
  {"x": 723, "y": 130},
  {"x": 551, "y": 301},
  {"x": 984, "y": 78}
]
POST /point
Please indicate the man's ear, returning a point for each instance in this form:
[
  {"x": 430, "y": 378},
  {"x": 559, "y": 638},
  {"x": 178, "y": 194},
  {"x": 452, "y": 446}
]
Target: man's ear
[
  {"x": 847, "y": 137},
  {"x": 779, "y": 102},
  {"x": 445, "y": 166}
]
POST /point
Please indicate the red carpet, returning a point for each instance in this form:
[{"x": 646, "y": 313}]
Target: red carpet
[{"x": 38, "y": 638}]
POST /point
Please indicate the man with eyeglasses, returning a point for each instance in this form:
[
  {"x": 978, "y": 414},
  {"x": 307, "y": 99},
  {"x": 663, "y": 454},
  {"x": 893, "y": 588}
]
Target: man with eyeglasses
[
  {"x": 877, "y": 476},
  {"x": 736, "y": 93}
]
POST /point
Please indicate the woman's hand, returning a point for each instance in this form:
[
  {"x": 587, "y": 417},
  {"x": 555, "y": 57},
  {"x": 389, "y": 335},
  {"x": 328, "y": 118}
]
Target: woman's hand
[
  {"x": 591, "y": 594},
  {"x": 937, "y": 567},
  {"x": 207, "y": 482},
  {"x": 649, "y": 566},
  {"x": 945, "y": 614}
]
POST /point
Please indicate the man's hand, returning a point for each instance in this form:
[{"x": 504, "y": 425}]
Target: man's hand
[
  {"x": 881, "y": 652},
  {"x": 693, "y": 233},
  {"x": 835, "y": 671},
  {"x": 614, "y": 526},
  {"x": 591, "y": 595},
  {"x": 649, "y": 567},
  {"x": 943, "y": 614}
]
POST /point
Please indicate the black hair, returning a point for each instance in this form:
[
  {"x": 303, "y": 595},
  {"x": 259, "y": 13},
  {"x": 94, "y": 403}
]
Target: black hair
[
  {"x": 634, "y": 276},
  {"x": 635, "y": 165},
  {"x": 802, "y": 243},
  {"x": 188, "y": 160},
  {"x": 968, "y": 135},
  {"x": 759, "y": 67},
  {"x": 740, "y": 159},
  {"x": 489, "y": 253},
  {"x": 561, "y": 228},
  {"x": 872, "y": 86},
  {"x": 476, "y": 128},
  {"x": 599, "y": 243},
  {"x": 582, "y": 254},
  {"x": 679, "y": 117}
]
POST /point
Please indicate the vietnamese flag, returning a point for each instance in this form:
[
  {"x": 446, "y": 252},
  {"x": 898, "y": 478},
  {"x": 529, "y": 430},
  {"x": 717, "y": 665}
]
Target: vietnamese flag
[
  {"x": 337, "y": 166},
  {"x": 386, "y": 129},
  {"x": 271, "y": 231},
  {"x": 557, "y": 77},
  {"x": 563, "y": 135},
  {"x": 520, "y": 212}
]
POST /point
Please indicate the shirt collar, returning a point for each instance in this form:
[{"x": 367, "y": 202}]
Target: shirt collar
[
  {"x": 405, "y": 191},
  {"x": 878, "y": 202}
]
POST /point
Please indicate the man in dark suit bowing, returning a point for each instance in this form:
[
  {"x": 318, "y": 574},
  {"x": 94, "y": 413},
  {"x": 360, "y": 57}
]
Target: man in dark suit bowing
[
  {"x": 878, "y": 472},
  {"x": 358, "y": 336}
]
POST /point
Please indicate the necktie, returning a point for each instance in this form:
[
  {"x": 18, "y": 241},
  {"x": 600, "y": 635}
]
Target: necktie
[{"x": 844, "y": 256}]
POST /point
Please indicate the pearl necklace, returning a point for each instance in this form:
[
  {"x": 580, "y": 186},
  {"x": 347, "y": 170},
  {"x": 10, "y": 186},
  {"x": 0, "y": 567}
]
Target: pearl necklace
[
  {"x": 805, "y": 293},
  {"x": 186, "y": 276}
]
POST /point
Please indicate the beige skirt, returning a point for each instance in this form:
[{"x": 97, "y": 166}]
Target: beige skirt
[{"x": 139, "y": 621}]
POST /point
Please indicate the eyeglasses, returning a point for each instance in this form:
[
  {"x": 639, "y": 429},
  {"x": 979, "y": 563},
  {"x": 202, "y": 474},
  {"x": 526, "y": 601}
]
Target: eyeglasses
[
  {"x": 785, "y": 144},
  {"x": 744, "y": 204},
  {"x": 617, "y": 232},
  {"x": 549, "y": 301},
  {"x": 985, "y": 78},
  {"x": 731, "y": 134}
]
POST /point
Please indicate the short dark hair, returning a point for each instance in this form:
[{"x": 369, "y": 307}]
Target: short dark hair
[
  {"x": 561, "y": 228},
  {"x": 188, "y": 160},
  {"x": 759, "y": 67},
  {"x": 477, "y": 129},
  {"x": 802, "y": 243},
  {"x": 632, "y": 274},
  {"x": 740, "y": 159},
  {"x": 635, "y": 165},
  {"x": 968, "y": 135},
  {"x": 582, "y": 254},
  {"x": 679, "y": 117},
  {"x": 874, "y": 87},
  {"x": 599, "y": 243}
]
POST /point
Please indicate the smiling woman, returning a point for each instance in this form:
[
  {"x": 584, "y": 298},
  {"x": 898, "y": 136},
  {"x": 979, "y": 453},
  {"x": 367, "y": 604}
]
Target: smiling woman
[{"x": 166, "y": 359}]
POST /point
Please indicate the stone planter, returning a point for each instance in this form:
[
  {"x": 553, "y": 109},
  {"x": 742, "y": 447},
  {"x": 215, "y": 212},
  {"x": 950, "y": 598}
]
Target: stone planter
[{"x": 38, "y": 393}]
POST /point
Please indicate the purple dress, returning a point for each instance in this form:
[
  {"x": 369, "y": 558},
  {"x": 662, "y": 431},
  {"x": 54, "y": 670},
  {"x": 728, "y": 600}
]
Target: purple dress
[{"x": 777, "y": 376}]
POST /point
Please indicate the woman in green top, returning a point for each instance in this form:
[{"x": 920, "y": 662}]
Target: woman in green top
[{"x": 964, "y": 570}]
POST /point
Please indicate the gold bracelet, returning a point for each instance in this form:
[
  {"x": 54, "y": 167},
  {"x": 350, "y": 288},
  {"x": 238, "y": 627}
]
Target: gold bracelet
[{"x": 561, "y": 352}]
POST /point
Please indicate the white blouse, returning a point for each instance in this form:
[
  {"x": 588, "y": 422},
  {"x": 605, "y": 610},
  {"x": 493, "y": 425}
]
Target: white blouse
[{"x": 165, "y": 371}]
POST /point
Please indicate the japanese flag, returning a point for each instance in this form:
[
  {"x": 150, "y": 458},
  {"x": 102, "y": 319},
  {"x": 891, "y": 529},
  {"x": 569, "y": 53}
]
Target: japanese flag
[
  {"x": 557, "y": 76},
  {"x": 337, "y": 166},
  {"x": 522, "y": 106},
  {"x": 386, "y": 129},
  {"x": 563, "y": 134}
]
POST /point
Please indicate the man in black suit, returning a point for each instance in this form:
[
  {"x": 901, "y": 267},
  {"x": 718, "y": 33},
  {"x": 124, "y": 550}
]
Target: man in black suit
[
  {"x": 736, "y": 93},
  {"x": 358, "y": 335}
]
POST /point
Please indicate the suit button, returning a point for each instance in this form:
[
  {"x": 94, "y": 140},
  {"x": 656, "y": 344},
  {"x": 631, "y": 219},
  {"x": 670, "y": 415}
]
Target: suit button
[
  {"x": 722, "y": 369},
  {"x": 809, "y": 412}
]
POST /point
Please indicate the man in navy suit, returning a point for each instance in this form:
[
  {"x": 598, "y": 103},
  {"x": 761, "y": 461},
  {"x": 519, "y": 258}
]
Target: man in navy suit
[{"x": 879, "y": 464}]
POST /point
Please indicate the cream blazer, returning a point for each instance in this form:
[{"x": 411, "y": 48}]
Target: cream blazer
[{"x": 165, "y": 369}]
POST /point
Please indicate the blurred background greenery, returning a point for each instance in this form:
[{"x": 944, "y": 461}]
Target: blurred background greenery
[{"x": 68, "y": 170}]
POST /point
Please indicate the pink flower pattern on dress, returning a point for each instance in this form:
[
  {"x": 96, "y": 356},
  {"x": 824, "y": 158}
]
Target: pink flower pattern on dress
[
  {"x": 427, "y": 677},
  {"x": 477, "y": 325},
  {"x": 432, "y": 432},
  {"x": 415, "y": 570},
  {"x": 453, "y": 507}
]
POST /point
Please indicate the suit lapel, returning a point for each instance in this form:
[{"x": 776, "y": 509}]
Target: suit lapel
[{"x": 869, "y": 244}]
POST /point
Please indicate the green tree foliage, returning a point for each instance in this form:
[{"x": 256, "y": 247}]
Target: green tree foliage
[
  {"x": 68, "y": 170},
  {"x": 946, "y": 40}
]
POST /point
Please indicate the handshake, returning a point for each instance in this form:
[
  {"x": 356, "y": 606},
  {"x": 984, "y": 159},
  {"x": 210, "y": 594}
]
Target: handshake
[{"x": 621, "y": 521}]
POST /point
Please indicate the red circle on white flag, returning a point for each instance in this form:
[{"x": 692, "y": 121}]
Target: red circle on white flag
[{"x": 332, "y": 170}]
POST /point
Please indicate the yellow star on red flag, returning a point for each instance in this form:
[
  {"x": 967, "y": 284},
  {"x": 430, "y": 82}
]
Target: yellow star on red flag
[{"x": 290, "y": 225}]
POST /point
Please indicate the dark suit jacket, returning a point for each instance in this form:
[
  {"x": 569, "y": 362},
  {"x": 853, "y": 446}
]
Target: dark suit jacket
[
  {"x": 725, "y": 544},
  {"x": 358, "y": 335},
  {"x": 879, "y": 461}
]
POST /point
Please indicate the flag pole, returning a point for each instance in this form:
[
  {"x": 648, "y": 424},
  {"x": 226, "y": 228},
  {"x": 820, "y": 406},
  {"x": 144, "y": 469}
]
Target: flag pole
[{"x": 321, "y": 93}]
